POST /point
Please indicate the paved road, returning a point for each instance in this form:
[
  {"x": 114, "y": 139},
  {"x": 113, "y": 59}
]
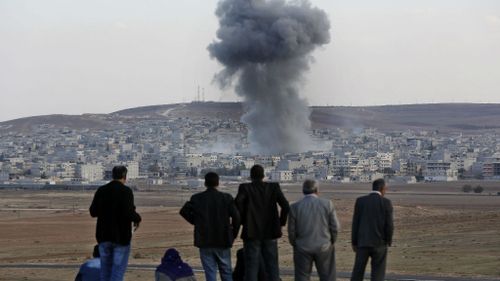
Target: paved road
[{"x": 285, "y": 272}]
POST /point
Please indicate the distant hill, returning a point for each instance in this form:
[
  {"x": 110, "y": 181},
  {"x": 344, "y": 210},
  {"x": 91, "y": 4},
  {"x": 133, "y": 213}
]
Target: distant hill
[
  {"x": 86, "y": 121},
  {"x": 447, "y": 117},
  {"x": 232, "y": 110}
]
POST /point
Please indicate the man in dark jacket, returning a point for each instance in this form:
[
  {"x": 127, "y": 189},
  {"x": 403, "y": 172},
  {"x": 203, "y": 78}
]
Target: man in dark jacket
[
  {"x": 258, "y": 205},
  {"x": 372, "y": 229},
  {"x": 216, "y": 223},
  {"x": 113, "y": 205}
]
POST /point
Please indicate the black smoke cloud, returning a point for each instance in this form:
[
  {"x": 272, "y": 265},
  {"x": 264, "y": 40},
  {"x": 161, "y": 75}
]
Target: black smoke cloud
[{"x": 265, "y": 46}]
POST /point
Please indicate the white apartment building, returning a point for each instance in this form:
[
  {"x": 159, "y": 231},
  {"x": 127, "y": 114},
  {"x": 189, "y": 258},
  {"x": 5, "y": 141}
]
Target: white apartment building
[
  {"x": 384, "y": 160},
  {"x": 66, "y": 170},
  {"x": 90, "y": 172},
  {"x": 132, "y": 169},
  {"x": 282, "y": 176},
  {"x": 194, "y": 160},
  {"x": 285, "y": 165},
  {"x": 440, "y": 171}
]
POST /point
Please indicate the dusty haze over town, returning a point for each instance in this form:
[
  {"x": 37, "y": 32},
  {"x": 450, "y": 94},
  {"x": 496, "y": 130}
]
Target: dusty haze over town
[{"x": 101, "y": 56}]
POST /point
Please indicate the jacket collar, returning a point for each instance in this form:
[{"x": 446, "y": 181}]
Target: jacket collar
[
  {"x": 311, "y": 195},
  {"x": 117, "y": 182}
]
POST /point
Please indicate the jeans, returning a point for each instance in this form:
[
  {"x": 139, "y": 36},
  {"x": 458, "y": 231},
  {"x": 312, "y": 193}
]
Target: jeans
[
  {"x": 114, "y": 260},
  {"x": 255, "y": 250},
  {"x": 213, "y": 258}
]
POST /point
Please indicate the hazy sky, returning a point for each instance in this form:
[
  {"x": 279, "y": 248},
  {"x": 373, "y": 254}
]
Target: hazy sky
[{"x": 62, "y": 56}]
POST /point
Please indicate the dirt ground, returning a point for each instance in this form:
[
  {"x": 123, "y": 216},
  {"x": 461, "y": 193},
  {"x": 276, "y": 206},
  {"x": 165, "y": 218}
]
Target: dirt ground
[{"x": 439, "y": 230}]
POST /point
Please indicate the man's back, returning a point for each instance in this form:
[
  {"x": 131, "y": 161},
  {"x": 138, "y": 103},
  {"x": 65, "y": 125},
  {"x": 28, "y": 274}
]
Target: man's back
[
  {"x": 113, "y": 205},
  {"x": 313, "y": 224},
  {"x": 372, "y": 224},
  {"x": 215, "y": 218},
  {"x": 256, "y": 202}
]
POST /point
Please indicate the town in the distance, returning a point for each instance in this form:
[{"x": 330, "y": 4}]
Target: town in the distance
[{"x": 180, "y": 149}]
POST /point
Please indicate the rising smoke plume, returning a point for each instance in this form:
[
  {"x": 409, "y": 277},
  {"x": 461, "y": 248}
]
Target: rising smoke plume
[{"x": 265, "y": 47}]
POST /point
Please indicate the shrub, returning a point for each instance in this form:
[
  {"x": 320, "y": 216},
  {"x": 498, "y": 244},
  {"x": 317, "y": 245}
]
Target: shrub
[
  {"x": 478, "y": 189},
  {"x": 466, "y": 188}
]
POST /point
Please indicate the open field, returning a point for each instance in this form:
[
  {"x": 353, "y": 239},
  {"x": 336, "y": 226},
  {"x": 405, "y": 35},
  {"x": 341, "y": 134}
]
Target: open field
[{"x": 440, "y": 231}]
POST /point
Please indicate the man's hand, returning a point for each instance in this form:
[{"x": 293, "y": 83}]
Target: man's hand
[
  {"x": 333, "y": 238},
  {"x": 354, "y": 248},
  {"x": 136, "y": 226}
]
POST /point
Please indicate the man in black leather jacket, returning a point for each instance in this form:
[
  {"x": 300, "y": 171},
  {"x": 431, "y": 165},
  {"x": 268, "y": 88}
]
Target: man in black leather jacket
[
  {"x": 113, "y": 206},
  {"x": 216, "y": 224}
]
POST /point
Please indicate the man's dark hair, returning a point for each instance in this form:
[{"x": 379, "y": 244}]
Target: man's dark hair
[
  {"x": 257, "y": 173},
  {"x": 96, "y": 253},
  {"x": 309, "y": 187},
  {"x": 211, "y": 179},
  {"x": 378, "y": 185},
  {"x": 119, "y": 172}
]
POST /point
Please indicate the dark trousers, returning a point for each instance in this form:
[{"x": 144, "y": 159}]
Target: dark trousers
[
  {"x": 255, "y": 250},
  {"x": 378, "y": 256},
  {"x": 324, "y": 261}
]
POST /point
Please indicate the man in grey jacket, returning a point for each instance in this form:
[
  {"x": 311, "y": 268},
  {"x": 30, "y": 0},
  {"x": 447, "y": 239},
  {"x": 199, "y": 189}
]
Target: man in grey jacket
[{"x": 312, "y": 231}]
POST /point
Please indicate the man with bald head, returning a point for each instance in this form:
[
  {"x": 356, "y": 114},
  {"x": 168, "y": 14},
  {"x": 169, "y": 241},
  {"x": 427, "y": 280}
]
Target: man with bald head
[{"x": 312, "y": 231}]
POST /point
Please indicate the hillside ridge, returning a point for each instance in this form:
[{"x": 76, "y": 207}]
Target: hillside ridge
[{"x": 441, "y": 116}]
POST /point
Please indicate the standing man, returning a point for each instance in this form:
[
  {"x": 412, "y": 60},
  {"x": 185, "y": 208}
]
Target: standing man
[
  {"x": 113, "y": 205},
  {"x": 216, "y": 224},
  {"x": 312, "y": 231},
  {"x": 372, "y": 229},
  {"x": 258, "y": 205}
]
